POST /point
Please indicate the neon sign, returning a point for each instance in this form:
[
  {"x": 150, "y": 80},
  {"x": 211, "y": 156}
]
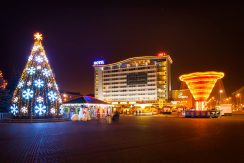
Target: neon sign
[
  {"x": 98, "y": 62},
  {"x": 162, "y": 54},
  {"x": 180, "y": 95}
]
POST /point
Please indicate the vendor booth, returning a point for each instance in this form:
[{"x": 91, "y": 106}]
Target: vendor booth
[{"x": 86, "y": 105}]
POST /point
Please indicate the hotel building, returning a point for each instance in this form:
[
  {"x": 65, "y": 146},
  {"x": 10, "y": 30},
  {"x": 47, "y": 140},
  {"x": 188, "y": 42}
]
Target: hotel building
[{"x": 137, "y": 80}]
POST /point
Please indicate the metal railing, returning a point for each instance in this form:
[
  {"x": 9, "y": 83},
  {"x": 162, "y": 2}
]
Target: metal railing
[{"x": 5, "y": 116}]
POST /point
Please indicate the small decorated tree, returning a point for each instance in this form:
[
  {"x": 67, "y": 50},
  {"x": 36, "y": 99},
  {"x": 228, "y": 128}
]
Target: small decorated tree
[
  {"x": 3, "y": 83},
  {"x": 37, "y": 93},
  {"x": 4, "y": 94}
]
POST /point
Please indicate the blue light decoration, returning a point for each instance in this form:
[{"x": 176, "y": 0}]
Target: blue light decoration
[
  {"x": 14, "y": 109},
  {"x": 39, "y": 83},
  {"x": 88, "y": 98},
  {"x": 40, "y": 109},
  {"x": 27, "y": 94},
  {"x": 46, "y": 72},
  {"x": 101, "y": 62},
  {"x": 52, "y": 96},
  {"x": 31, "y": 70},
  {"x": 21, "y": 84}
]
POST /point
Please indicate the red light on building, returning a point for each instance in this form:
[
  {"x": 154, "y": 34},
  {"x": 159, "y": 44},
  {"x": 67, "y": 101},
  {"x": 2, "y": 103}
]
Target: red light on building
[{"x": 162, "y": 54}]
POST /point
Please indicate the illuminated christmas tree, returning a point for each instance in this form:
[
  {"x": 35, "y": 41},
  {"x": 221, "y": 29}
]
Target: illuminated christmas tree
[{"x": 37, "y": 93}]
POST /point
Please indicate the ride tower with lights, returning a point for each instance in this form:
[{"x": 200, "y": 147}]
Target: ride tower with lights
[
  {"x": 37, "y": 93},
  {"x": 201, "y": 85}
]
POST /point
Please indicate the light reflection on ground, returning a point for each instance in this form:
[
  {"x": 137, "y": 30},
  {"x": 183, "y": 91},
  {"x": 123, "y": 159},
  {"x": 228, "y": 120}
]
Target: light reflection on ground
[{"x": 131, "y": 139}]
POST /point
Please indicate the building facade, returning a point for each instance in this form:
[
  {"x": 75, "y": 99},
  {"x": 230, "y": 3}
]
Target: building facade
[
  {"x": 145, "y": 79},
  {"x": 238, "y": 99}
]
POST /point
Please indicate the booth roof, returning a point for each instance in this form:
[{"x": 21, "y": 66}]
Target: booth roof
[{"x": 85, "y": 99}]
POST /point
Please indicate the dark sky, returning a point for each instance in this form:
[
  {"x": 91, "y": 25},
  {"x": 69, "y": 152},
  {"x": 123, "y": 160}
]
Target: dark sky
[{"x": 198, "y": 36}]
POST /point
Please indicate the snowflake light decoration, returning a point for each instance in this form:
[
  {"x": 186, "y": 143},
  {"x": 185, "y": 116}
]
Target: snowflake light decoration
[
  {"x": 40, "y": 109},
  {"x": 56, "y": 86},
  {"x": 39, "y": 83},
  {"x": 61, "y": 109},
  {"x": 39, "y": 59},
  {"x": 45, "y": 58},
  {"x": 52, "y": 111},
  {"x": 35, "y": 48},
  {"x": 31, "y": 70},
  {"x": 29, "y": 83},
  {"x": 24, "y": 110},
  {"x": 39, "y": 99},
  {"x": 46, "y": 72},
  {"x": 49, "y": 85},
  {"x": 30, "y": 58},
  {"x": 27, "y": 94},
  {"x": 14, "y": 109},
  {"x": 52, "y": 96},
  {"x": 60, "y": 100},
  {"x": 38, "y": 67},
  {"x": 21, "y": 84},
  {"x": 15, "y": 100}
]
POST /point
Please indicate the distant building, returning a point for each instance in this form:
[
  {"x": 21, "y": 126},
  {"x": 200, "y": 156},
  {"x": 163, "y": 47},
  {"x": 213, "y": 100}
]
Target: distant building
[
  {"x": 67, "y": 95},
  {"x": 145, "y": 79},
  {"x": 238, "y": 98}
]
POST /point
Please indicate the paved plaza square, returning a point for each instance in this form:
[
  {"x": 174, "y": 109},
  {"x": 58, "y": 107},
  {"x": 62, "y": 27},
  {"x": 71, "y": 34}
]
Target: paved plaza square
[{"x": 131, "y": 139}]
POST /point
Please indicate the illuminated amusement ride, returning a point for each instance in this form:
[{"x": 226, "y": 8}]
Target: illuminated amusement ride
[{"x": 201, "y": 85}]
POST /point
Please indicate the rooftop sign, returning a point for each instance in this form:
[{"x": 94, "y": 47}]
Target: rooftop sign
[
  {"x": 162, "y": 54},
  {"x": 98, "y": 62}
]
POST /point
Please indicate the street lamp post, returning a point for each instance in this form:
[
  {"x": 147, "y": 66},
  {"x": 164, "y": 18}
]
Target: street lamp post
[
  {"x": 238, "y": 95},
  {"x": 240, "y": 101},
  {"x": 220, "y": 92}
]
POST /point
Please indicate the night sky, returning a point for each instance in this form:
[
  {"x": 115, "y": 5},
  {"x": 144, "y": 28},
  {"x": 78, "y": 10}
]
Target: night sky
[{"x": 198, "y": 36}]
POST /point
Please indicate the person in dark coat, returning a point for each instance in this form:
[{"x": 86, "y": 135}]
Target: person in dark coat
[{"x": 115, "y": 116}]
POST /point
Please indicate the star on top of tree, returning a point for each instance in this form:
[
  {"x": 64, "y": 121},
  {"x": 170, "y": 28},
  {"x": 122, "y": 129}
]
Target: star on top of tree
[{"x": 38, "y": 36}]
